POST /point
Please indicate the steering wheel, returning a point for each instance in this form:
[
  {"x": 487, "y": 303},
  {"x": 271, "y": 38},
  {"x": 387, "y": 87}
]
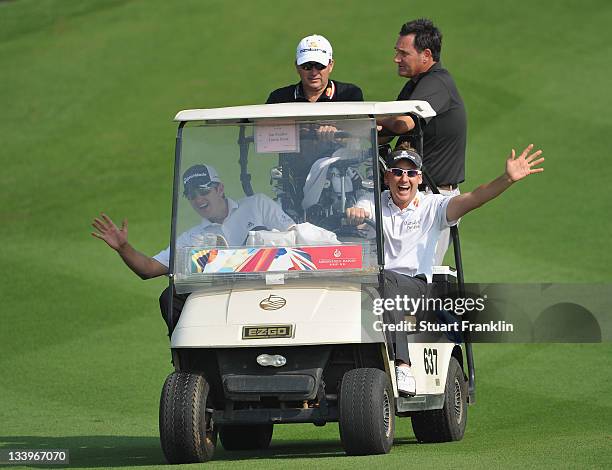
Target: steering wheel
[{"x": 334, "y": 223}]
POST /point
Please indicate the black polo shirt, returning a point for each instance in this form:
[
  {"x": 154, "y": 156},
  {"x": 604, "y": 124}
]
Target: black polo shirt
[
  {"x": 311, "y": 150},
  {"x": 444, "y": 136},
  {"x": 335, "y": 91}
]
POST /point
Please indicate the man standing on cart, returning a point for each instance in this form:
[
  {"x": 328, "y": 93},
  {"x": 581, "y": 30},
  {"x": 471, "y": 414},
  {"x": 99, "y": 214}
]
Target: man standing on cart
[
  {"x": 417, "y": 56},
  {"x": 314, "y": 64}
]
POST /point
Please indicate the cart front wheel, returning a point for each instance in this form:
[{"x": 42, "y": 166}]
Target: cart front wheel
[
  {"x": 185, "y": 426},
  {"x": 367, "y": 414}
]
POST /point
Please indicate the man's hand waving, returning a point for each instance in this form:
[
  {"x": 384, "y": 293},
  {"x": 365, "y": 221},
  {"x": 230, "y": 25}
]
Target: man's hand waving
[
  {"x": 117, "y": 239},
  {"x": 517, "y": 168},
  {"x": 524, "y": 165},
  {"x": 106, "y": 230}
]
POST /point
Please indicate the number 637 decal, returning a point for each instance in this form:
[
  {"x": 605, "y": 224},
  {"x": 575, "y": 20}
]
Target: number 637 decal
[{"x": 430, "y": 359}]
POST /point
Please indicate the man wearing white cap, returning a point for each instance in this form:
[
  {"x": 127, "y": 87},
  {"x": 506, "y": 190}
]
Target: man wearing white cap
[
  {"x": 314, "y": 63},
  {"x": 221, "y": 216}
]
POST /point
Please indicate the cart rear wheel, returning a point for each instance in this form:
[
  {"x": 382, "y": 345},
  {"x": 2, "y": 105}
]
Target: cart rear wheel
[
  {"x": 448, "y": 423},
  {"x": 367, "y": 414},
  {"x": 185, "y": 426},
  {"x": 246, "y": 437}
]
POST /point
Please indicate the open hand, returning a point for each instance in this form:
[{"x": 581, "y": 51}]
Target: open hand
[
  {"x": 524, "y": 165},
  {"x": 107, "y": 230}
]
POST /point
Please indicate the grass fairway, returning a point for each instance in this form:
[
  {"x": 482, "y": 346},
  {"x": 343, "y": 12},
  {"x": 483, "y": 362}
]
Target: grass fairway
[{"x": 88, "y": 91}]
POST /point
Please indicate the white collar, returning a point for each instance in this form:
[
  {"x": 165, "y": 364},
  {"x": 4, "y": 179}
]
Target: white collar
[{"x": 410, "y": 207}]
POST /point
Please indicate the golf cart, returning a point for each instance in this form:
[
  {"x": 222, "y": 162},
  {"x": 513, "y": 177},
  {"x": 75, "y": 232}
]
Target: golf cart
[{"x": 281, "y": 328}]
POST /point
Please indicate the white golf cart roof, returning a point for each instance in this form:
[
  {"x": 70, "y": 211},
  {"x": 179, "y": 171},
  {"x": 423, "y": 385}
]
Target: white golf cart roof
[{"x": 307, "y": 110}]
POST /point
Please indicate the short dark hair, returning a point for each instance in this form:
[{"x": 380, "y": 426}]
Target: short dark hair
[
  {"x": 404, "y": 145},
  {"x": 426, "y": 36}
]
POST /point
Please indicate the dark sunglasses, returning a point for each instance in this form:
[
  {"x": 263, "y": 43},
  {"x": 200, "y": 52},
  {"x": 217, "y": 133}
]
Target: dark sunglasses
[
  {"x": 192, "y": 193},
  {"x": 401, "y": 171},
  {"x": 310, "y": 65}
]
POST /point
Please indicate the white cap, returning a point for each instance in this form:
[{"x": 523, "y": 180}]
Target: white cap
[{"x": 313, "y": 48}]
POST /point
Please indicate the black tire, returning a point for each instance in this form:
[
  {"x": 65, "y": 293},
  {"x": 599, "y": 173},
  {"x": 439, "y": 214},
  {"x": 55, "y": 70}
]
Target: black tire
[
  {"x": 447, "y": 424},
  {"x": 367, "y": 412},
  {"x": 185, "y": 427},
  {"x": 246, "y": 436}
]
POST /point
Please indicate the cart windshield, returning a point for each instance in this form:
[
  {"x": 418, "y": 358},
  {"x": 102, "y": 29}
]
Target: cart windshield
[{"x": 265, "y": 200}]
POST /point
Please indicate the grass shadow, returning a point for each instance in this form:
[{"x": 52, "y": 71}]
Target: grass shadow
[
  {"x": 310, "y": 448},
  {"x": 134, "y": 451}
]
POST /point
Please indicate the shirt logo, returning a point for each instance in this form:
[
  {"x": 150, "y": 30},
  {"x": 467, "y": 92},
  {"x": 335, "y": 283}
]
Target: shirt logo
[
  {"x": 412, "y": 225},
  {"x": 331, "y": 90}
]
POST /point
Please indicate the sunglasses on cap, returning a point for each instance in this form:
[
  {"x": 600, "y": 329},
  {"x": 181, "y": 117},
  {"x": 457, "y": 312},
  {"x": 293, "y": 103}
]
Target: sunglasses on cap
[
  {"x": 193, "y": 193},
  {"x": 310, "y": 65},
  {"x": 402, "y": 171}
]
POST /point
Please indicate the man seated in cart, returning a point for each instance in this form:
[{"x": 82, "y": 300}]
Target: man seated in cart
[
  {"x": 412, "y": 222},
  {"x": 222, "y": 217}
]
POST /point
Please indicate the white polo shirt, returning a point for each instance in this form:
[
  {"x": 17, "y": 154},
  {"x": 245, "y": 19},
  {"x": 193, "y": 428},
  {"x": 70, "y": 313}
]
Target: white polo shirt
[
  {"x": 253, "y": 211},
  {"x": 411, "y": 234}
]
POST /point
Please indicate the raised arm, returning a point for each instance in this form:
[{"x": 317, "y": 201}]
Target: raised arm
[
  {"x": 117, "y": 238},
  {"x": 516, "y": 170}
]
